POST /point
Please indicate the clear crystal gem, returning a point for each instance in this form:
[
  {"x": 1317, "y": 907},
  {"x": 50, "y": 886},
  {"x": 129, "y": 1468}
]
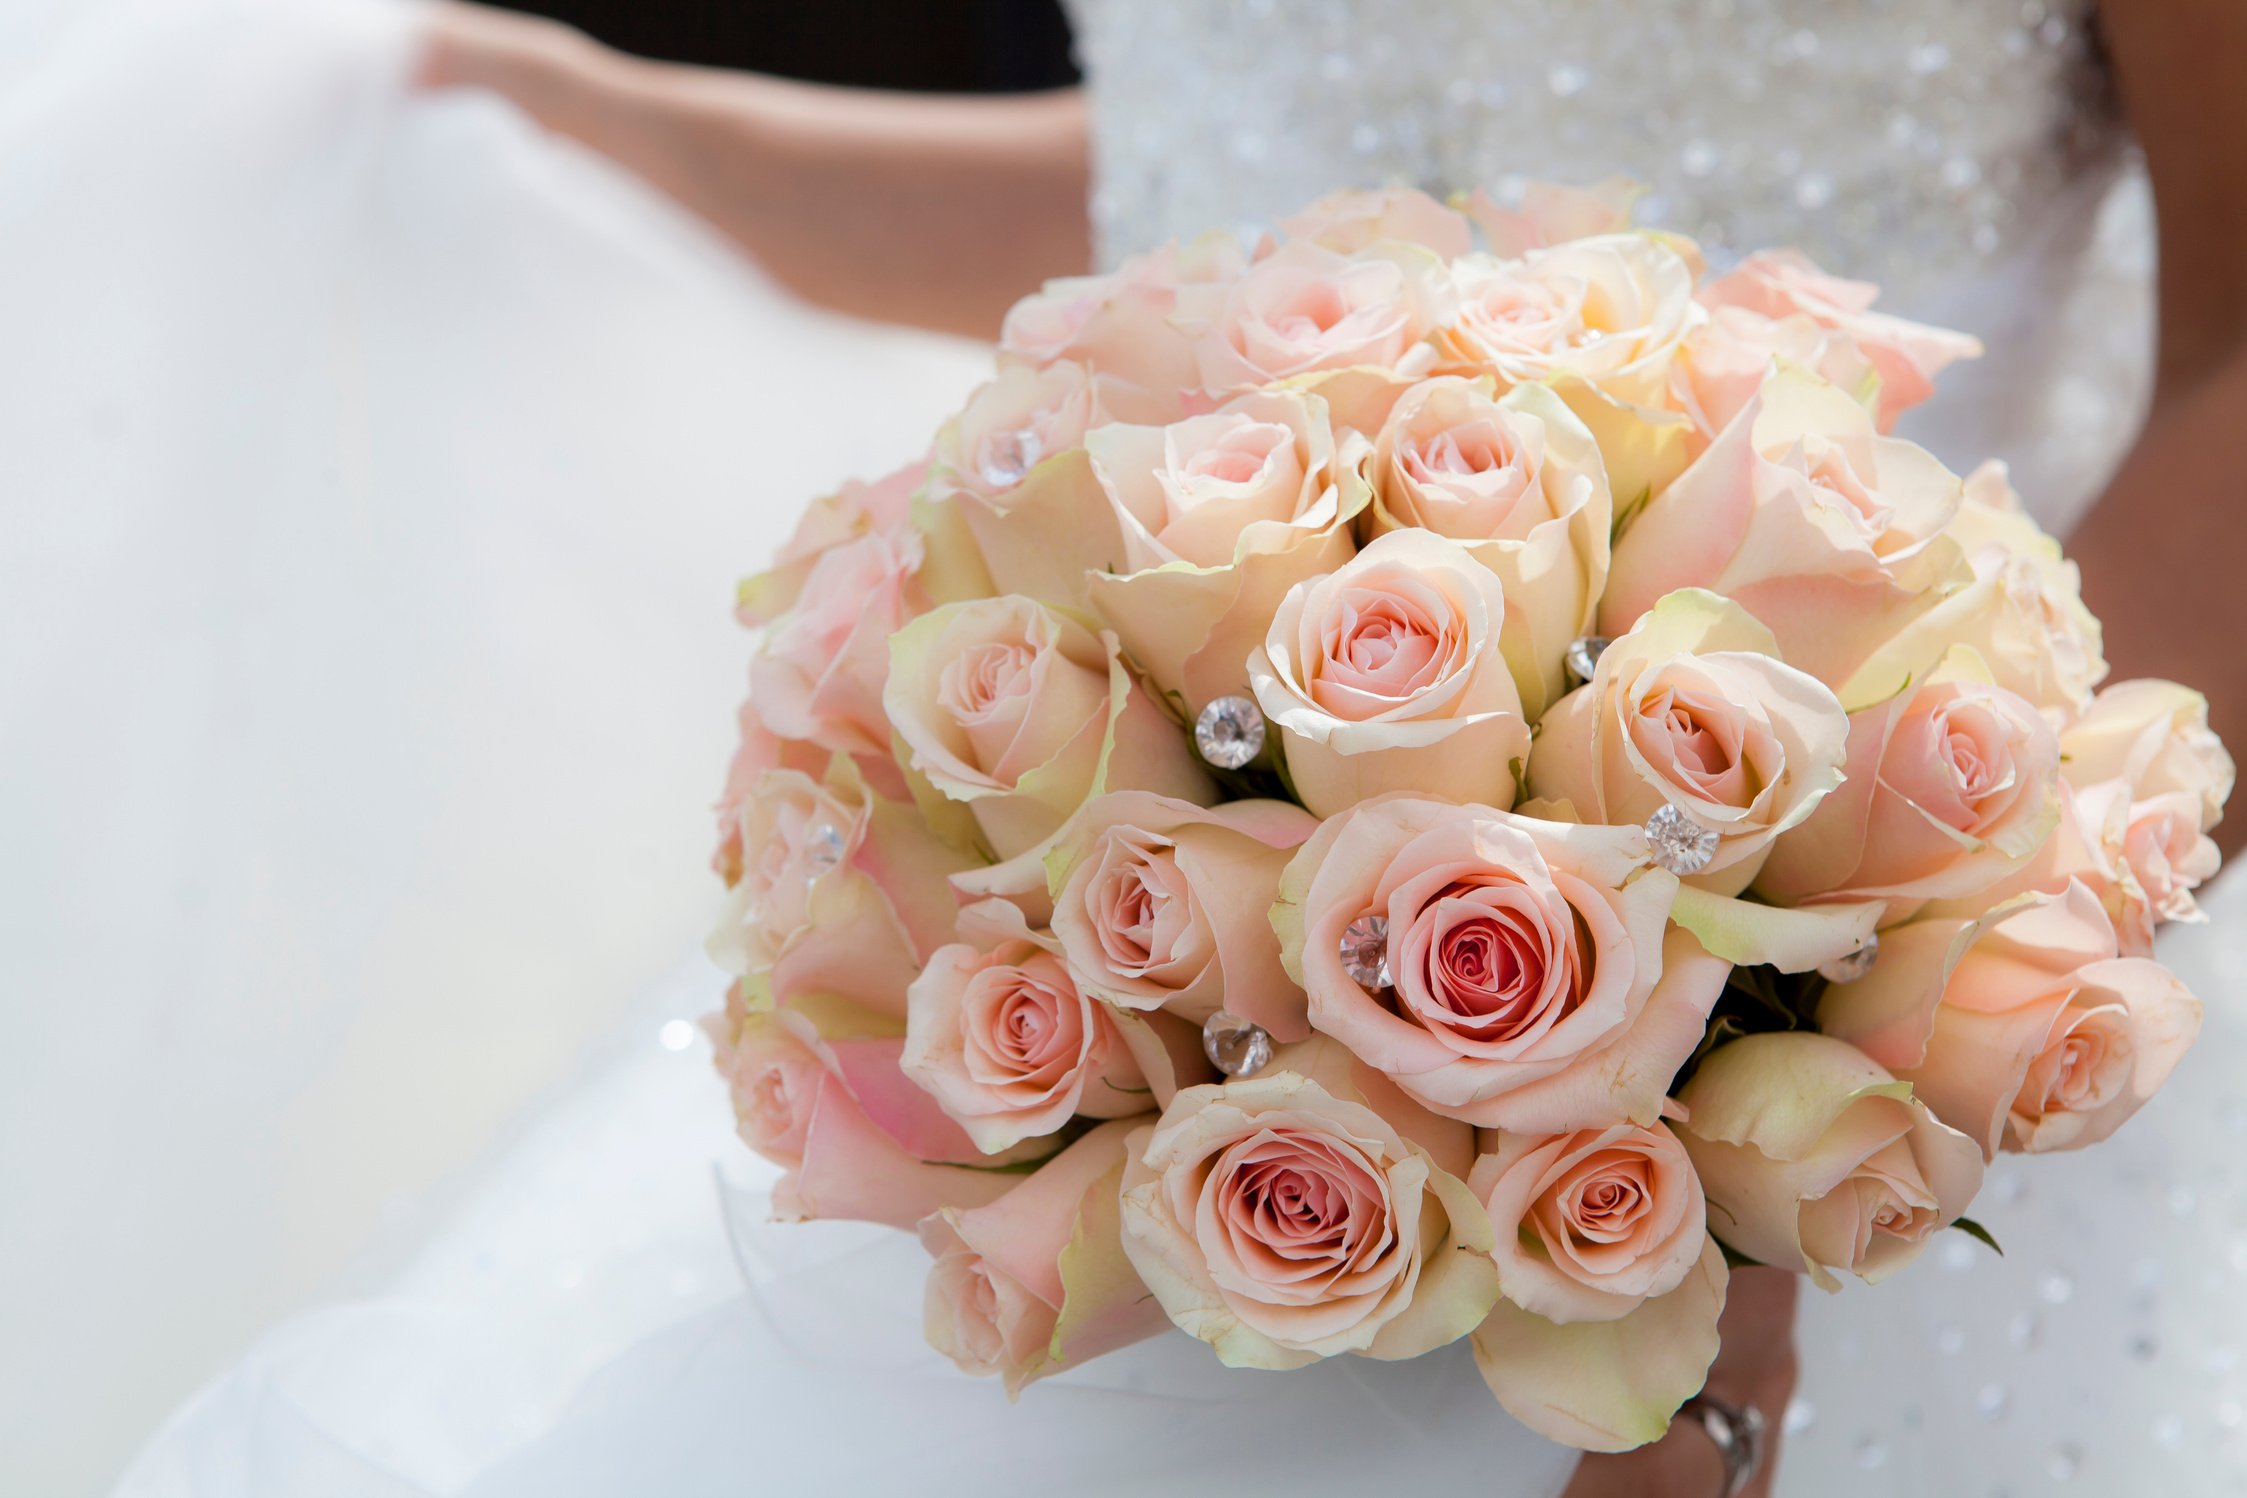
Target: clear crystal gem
[
  {"x": 1365, "y": 951},
  {"x": 1680, "y": 844},
  {"x": 1008, "y": 456},
  {"x": 823, "y": 849},
  {"x": 1583, "y": 656},
  {"x": 1235, "y": 1046},
  {"x": 1851, "y": 966},
  {"x": 1230, "y": 732}
]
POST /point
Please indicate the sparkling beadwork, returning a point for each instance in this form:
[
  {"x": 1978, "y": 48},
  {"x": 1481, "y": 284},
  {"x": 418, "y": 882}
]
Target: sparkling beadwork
[
  {"x": 1582, "y": 657},
  {"x": 1009, "y": 456},
  {"x": 823, "y": 849},
  {"x": 1680, "y": 844},
  {"x": 1235, "y": 1046},
  {"x": 1851, "y": 966},
  {"x": 1365, "y": 951},
  {"x": 1230, "y": 732}
]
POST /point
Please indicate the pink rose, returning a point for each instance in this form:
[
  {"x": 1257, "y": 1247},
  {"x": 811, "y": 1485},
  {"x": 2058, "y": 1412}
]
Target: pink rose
[
  {"x": 1120, "y": 325},
  {"x": 1359, "y": 219},
  {"x": 1530, "y": 983},
  {"x": 999, "y": 1034},
  {"x": 1950, "y": 787},
  {"x": 1814, "y": 1157},
  {"x": 1552, "y": 213},
  {"x": 1693, "y": 709},
  {"x": 1387, "y": 675},
  {"x": 1305, "y": 1212},
  {"x": 1610, "y": 310},
  {"x": 856, "y": 1139},
  {"x": 818, "y": 677},
  {"x": 841, "y": 891},
  {"x": 1011, "y": 425},
  {"x": 1522, "y": 482},
  {"x": 1305, "y": 308},
  {"x": 1906, "y": 355},
  {"x": 1799, "y": 512},
  {"x": 1160, "y": 904},
  {"x": 1612, "y": 1285},
  {"x": 2023, "y": 1029},
  {"x": 1723, "y": 363},
  {"x": 1023, "y": 714},
  {"x": 2154, "y": 737},
  {"x": 857, "y": 510},
  {"x": 1035, "y": 1282}
]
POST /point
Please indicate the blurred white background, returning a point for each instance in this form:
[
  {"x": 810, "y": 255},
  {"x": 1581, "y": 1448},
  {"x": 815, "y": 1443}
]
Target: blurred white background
[{"x": 374, "y": 475}]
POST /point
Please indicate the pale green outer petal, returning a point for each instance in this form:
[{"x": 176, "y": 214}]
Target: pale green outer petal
[
  {"x": 951, "y": 565},
  {"x": 1606, "y": 1385},
  {"x": 1890, "y": 1012},
  {"x": 1795, "y": 940},
  {"x": 1104, "y": 1306},
  {"x": 1643, "y": 448},
  {"x": 1779, "y": 1093},
  {"x": 1458, "y": 1281},
  {"x": 1055, "y": 528}
]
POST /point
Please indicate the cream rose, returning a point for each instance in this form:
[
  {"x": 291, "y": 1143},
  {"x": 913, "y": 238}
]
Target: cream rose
[
  {"x": 1693, "y": 709},
  {"x": 1814, "y": 1157},
  {"x": 1799, "y": 512},
  {"x": 839, "y": 891},
  {"x": 1530, "y": 983},
  {"x": 1121, "y": 325},
  {"x": 1024, "y": 714},
  {"x": 1160, "y": 904},
  {"x": 2023, "y": 1029},
  {"x": 1387, "y": 675},
  {"x": 1305, "y": 308},
  {"x": 2154, "y": 737},
  {"x": 1305, "y": 1212},
  {"x": 1550, "y": 213},
  {"x": 1359, "y": 219},
  {"x": 1610, "y": 310},
  {"x": 1036, "y": 1282},
  {"x": 1000, "y": 1035},
  {"x": 1906, "y": 356},
  {"x": 1723, "y": 363},
  {"x": 1951, "y": 786},
  {"x": 1612, "y": 1285},
  {"x": 1522, "y": 483}
]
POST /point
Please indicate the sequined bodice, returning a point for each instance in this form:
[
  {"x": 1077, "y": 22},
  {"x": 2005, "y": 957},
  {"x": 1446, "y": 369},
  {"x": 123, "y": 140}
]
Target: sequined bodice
[{"x": 1940, "y": 147}]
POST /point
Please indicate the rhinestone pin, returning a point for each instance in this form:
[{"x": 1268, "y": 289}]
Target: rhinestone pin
[
  {"x": 1851, "y": 966},
  {"x": 1010, "y": 456},
  {"x": 823, "y": 849},
  {"x": 1235, "y": 1046},
  {"x": 1583, "y": 656},
  {"x": 1680, "y": 844},
  {"x": 1230, "y": 732},
  {"x": 1365, "y": 951}
]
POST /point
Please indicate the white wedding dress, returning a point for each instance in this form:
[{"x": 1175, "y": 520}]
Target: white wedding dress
[{"x": 608, "y": 1313}]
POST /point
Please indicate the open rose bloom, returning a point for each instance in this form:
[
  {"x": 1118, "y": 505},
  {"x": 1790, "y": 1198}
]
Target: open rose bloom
[{"x": 1444, "y": 775}]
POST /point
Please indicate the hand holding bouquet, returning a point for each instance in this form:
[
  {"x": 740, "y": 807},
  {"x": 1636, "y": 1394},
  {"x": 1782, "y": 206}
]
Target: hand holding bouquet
[{"x": 1441, "y": 777}]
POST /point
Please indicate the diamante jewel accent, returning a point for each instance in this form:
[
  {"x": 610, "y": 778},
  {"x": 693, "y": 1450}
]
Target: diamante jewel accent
[
  {"x": 1011, "y": 455},
  {"x": 1365, "y": 951},
  {"x": 1583, "y": 656},
  {"x": 1851, "y": 966},
  {"x": 823, "y": 849},
  {"x": 1230, "y": 732},
  {"x": 1235, "y": 1046},
  {"x": 1680, "y": 844}
]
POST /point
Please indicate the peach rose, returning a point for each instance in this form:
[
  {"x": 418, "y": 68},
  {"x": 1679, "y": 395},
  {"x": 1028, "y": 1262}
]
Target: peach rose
[
  {"x": 856, "y": 1139},
  {"x": 1522, "y": 483},
  {"x": 1531, "y": 985},
  {"x": 1023, "y": 714},
  {"x": 1304, "y": 308},
  {"x": 1723, "y": 363},
  {"x": 857, "y": 510},
  {"x": 1800, "y": 513},
  {"x": 1035, "y": 1282},
  {"x": 1905, "y": 355},
  {"x": 1951, "y": 786},
  {"x": 1612, "y": 1285},
  {"x": 841, "y": 891},
  {"x": 1305, "y": 1212},
  {"x": 2023, "y": 1029},
  {"x": 1813, "y": 1156},
  {"x": 2153, "y": 736},
  {"x": 2020, "y": 608},
  {"x": 1693, "y": 709},
  {"x": 1120, "y": 325},
  {"x": 1160, "y": 904},
  {"x": 1011, "y": 425},
  {"x": 1359, "y": 219},
  {"x": 1000, "y": 1035},
  {"x": 1610, "y": 310},
  {"x": 1387, "y": 675},
  {"x": 1551, "y": 213},
  {"x": 819, "y": 674}
]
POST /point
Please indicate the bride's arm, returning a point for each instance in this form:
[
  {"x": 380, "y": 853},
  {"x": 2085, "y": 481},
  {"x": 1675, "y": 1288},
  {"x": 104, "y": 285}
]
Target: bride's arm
[
  {"x": 2164, "y": 554},
  {"x": 925, "y": 209}
]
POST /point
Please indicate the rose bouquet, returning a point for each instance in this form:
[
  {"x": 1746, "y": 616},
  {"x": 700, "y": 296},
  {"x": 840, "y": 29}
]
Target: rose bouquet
[{"x": 1441, "y": 776}]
